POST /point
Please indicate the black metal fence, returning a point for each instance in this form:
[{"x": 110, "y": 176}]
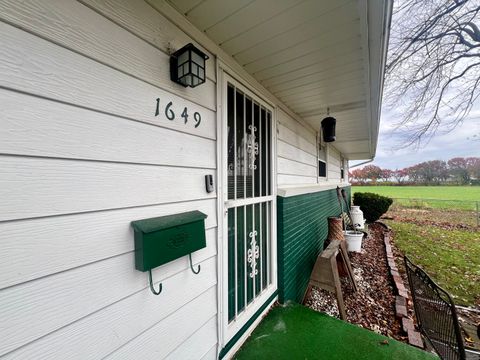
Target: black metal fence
[{"x": 435, "y": 313}]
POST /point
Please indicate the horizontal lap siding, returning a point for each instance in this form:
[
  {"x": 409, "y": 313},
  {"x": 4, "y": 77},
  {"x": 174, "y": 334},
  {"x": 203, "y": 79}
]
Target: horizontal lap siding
[
  {"x": 211, "y": 354},
  {"x": 75, "y": 26},
  {"x": 83, "y": 155},
  {"x": 32, "y": 187},
  {"x": 51, "y": 129},
  {"x": 302, "y": 229},
  {"x": 38, "y": 67},
  {"x": 199, "y": 345},
  {"x": 297, "y": 153},
  {"x": 333, "y": 164}
]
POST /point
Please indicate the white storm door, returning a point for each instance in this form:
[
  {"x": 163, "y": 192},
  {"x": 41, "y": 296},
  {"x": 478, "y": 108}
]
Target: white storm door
[{"x": 249, "y": 206}]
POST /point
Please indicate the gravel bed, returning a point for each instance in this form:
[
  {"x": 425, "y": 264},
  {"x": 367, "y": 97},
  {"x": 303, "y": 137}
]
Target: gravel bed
[{"x": 373, "y": 305}]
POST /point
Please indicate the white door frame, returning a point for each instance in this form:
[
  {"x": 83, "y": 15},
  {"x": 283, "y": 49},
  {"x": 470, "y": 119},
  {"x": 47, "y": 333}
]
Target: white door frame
[{"x": 226, "y": 330}]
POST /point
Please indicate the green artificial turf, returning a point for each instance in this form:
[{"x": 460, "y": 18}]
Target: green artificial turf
[{"x": 296, "y": 332}]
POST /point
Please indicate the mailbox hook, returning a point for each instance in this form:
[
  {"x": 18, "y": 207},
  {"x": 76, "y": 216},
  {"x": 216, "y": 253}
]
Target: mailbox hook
[
  {"x": 191, "y": 266},
  {"x": 151, "y": 284}
]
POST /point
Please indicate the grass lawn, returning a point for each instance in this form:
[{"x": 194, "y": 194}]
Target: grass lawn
[
  {"x": 431, "y": 197},
  {"x": 450, "y": 257},
  {"x": 464, "y": 193},
  {"x": 440, "y": 236}
]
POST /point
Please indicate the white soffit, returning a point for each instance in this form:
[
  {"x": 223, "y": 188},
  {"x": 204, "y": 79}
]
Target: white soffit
[{"x": 310, "y": 54}]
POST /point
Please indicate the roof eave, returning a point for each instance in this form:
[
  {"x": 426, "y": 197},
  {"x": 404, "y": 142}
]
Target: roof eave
[{"x": 379, "y": 15}]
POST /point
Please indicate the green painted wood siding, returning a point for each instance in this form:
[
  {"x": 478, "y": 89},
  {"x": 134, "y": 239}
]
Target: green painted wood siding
[{"x": 302, "y": 229}]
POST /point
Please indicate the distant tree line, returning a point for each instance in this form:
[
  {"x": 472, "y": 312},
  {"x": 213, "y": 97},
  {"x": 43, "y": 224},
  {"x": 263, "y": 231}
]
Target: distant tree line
[{"x": 459, "y": 170}]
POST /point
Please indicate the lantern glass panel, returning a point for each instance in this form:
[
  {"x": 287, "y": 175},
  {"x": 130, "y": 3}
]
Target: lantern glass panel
[
  {"x": 197, "y": 58},
  {"x": 195, "y": 69},
  {"x": 183, "y": 58}
]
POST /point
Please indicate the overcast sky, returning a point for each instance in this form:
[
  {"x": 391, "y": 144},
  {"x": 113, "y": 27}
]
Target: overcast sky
[
  {"x": 392, "y": 153},
  {"x": 463, "y": 141}
]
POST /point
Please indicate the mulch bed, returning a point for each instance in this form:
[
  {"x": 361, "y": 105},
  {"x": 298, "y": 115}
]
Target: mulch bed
[{"x": 373, "y": 305}]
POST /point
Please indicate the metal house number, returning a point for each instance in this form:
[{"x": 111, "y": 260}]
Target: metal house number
[{"x": 170, "y": 114}]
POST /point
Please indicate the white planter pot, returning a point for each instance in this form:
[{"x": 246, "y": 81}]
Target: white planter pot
[
  {"x": 354, "y": 240},
  {"x": 357, "y": 217}
]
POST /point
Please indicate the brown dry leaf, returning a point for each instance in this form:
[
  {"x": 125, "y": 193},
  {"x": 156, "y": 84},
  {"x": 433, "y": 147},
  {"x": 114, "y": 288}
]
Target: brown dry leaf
[{"x": 373, "y": 306}]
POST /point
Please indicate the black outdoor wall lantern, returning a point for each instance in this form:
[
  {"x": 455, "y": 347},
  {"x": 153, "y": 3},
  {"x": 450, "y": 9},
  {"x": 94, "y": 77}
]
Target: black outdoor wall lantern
[
  {"x": 187, "y": 66},
  {"x": 328, "y": 128}
]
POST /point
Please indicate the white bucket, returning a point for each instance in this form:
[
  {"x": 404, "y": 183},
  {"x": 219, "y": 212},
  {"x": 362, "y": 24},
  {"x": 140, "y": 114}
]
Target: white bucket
[{"x": 354, "y": 240}]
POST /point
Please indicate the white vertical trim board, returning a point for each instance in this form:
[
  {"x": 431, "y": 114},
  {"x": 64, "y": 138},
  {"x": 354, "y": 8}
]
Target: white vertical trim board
[{"x": 222, "y": 179}]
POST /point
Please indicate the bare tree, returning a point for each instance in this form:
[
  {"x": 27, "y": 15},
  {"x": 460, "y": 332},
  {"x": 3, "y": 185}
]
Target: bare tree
[
  {"x": 458, "y": 168},
  {"x": 433, "y": 70}
]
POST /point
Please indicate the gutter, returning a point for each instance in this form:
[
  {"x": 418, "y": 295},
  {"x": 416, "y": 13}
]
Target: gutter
[
  {"x": 362, "y": 163},
  {"x": 376, "y": 26},
  {"x": 387, "y": 16}
]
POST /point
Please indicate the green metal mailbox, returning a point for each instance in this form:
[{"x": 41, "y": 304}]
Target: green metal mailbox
[{"x": 163, "y": 239}]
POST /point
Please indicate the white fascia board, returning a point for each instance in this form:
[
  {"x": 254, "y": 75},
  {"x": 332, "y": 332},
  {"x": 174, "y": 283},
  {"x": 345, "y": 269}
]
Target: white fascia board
[
  {"x": 375, "y": 20},
  {"x": 378, "y": 70}
]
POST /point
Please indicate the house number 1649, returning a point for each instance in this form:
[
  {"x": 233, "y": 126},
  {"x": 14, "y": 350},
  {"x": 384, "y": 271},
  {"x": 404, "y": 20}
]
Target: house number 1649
[{"x": 170, "y": 114}]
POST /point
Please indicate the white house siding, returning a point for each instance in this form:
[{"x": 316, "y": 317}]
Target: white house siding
[
  {"x": 296, "y": 152},
  {"x": 333, "y": 164},
  {"x": 82, "y": 156}
]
